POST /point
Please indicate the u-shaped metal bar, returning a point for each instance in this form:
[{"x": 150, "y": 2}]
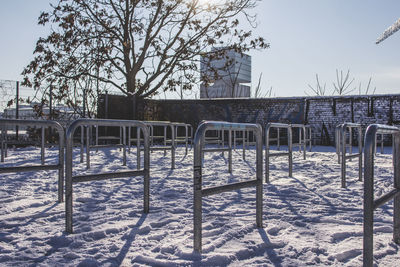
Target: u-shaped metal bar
[
  {"x": 70, "y": 180},
  {"x": 370, "y": 204},
  {"x": 199, "y": 192}
]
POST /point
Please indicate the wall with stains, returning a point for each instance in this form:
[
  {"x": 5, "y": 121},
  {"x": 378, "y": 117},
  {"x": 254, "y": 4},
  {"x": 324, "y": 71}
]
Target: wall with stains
[{"x": 322, "y": 113}]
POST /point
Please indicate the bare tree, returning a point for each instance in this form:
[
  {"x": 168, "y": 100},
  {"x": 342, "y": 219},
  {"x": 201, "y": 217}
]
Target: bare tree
[
  {"x": 343, "y": 83},
  {"x": 317, "y": 89},
  {"x": 137, "y": 46},
  {"x": 258, "y": 90},
  {"x": 366, "y": 91}
]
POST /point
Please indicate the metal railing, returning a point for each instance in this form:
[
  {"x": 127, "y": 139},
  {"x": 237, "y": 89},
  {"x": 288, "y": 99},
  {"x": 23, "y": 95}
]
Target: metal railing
[
  {"x": 89, "y": 142},
  {"x": 276, "y": 139},
  {"x": 308, "y": 137},
  {"x": 4, "y": 123},
  {"x": 343, "y": 145},
  {"x": 165, "y": 147},
  {"x": 289, "y": 153},
  {"x": 199, "y": 192},
  {"x": 70, "y": 179},
  {"x": 244, "y": 138},
  {"x": 220, "y": 140},
  {"x": 217, "y": 137},
  {"x": 379, "y": 141},
  {"x": 369, "y": 203},
  {"x": 302, "y": 138},
  {"x": 338, "y": 142},
  {"x": 182, "y": 139}
]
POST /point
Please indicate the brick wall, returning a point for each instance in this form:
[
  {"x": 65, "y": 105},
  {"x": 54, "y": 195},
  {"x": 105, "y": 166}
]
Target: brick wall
[{"x": 322, "y": 113}]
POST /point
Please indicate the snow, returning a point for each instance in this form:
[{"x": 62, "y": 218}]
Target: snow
[{"x": 308, "y": 219}]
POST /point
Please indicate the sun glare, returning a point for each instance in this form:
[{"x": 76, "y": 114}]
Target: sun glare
[{"x": 207, "y": 2}]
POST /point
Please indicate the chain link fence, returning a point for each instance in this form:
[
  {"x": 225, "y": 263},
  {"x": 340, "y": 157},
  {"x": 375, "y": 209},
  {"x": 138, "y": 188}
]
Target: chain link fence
[
  {"x": 34, "y": 103},
  {"x": 8, "y": 94}
]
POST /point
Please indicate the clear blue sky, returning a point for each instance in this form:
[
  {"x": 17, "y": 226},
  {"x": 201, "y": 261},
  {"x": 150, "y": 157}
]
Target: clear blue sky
[{"x": 306, "y": 37}]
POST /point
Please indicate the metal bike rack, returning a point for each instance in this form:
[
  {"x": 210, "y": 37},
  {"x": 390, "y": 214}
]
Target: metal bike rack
[
  {"x": 89, "y": 145},
  {"x": 181, "y": 139},
  {"x": 217, "y": 139},
  {"x": 190, "y": 134},
  {"x": 302, "y": 138},
  {"x": 308, "y": 137},
  {"x": 70, "y": 180},
  {"x": 279, "y": 154},
  {"x": 165, "y": 148},
  {"x": 138, "y": 140},
  {"x": 4, "y": 123},
  {"x": 277, "y": 139},
  {"x": 381, "y": 141},
  {"x": 221, "y": 144},
  {"x": 199, "y": 192},
  {"x": 343, "y": 148},
  {"x": 369, "y": 203},
  {"x": 243, "y": 139},
  {"x": 338, "y": 141},
  {"x": 107, "y": 138}
]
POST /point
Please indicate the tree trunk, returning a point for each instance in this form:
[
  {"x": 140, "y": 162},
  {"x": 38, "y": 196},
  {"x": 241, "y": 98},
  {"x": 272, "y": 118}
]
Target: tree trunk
[{"x": 133, "y": 104}]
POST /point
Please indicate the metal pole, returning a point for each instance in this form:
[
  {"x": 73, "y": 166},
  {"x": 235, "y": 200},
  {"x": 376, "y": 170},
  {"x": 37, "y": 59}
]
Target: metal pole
[
  {"x": 343, "y": 162},
  {"x": 97, "y": 136},
  {"x": 197, "y": 186},
  {"x": 244, "y": 145},
  {"x": 172, "y": 147},
  {"x": 61, "y": 163},
  {"x": 303, "y": 128},
  {"x": 396, "y": 201},
  {"x": 51, "y": 103},
  {"x": 138, "y": 147},
  {"x": 290, "y": 148},
  {"x": 267, "y": 129},
  {"x": 106, "y": 112},
  {"x": 351, "y": 141},
  {"x": 2, "y": 143},
  {"x": 68, "y": 181},
  {"x": 87, "y": 147},
  {"x": 259, "y": 188},
  {"x": 124, "y": 145},
  {"x": 369, "y": 148},
  {"x": 223, "y": 141},
  {"x": 234, "y": 139},
  {"x": 17, "y": 108},
  {"x": 129, "y": 139},
  {"x": 42, "y": 146},
  {"x": 186, "y": 138},
  {"x": 165, "y": 138},
  {"x": 230, "y": 152},
  {"x": 120, "y": 137},
  {"x": 5, "y": 144},
  {"x": 360, "y": 153},
  {"x": 278, "y": 139},
  {"x": 337, "y": 142},
  {"x": 82, "y": 136},
  {"x": 146, "y": 167}
]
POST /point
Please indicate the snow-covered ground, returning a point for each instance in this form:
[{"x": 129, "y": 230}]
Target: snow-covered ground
[{"x": 308, "y": 219}]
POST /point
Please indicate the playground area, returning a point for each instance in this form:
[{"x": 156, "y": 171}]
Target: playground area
[{"x": 307, "y": 219}]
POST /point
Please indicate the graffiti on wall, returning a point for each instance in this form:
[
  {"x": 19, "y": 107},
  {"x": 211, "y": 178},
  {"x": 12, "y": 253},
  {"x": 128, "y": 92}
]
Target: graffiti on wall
[{"x": 322, "y": 114}]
